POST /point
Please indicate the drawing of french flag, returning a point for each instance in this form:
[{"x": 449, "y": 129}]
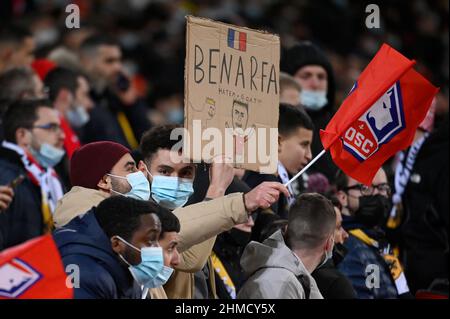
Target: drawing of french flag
[{"x": 237, "y": 40}]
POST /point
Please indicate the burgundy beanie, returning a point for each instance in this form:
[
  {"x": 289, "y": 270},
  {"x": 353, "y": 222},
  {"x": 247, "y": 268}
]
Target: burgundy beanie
[{"x": 92, "y": 161}]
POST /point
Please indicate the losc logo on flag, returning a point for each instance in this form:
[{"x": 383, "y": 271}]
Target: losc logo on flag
[
  {"x": 16, "y": 277},
  {"x": 377, "y": 126}
]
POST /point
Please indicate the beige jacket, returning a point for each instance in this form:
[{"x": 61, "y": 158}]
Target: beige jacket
[{"x": 200, "y": 224}]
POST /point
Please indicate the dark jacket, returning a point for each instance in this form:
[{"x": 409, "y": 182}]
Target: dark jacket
[
  {"x": 23, "y": 219},
  {"x": 102, "y": 275},
  {"x": 332, "y": 283},
  {"x": 104, "y": 125},
  {"x": 426, "y": 208},
  {"x": 228, "y": 248},
  {"x": 355, "y": 265}
]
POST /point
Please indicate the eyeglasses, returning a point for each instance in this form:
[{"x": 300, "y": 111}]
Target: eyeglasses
[
  {"x": 365, "y": 190},
  {"x": 53, "y": 127}
]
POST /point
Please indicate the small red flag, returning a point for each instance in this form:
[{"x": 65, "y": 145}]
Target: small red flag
[
  {"x": 33, "y": 270},
  {"x": 380, "y": 115}
]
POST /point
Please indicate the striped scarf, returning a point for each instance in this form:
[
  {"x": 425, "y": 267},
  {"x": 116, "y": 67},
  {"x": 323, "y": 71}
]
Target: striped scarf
[{"x": 46, "y": 179}]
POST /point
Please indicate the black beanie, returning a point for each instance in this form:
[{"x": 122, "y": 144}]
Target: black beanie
[{"x": 306, "y": 53}]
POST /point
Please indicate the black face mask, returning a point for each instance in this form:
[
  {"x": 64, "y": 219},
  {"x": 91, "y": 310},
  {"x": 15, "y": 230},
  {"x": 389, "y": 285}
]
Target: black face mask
[
  {"x": 339, "y": 252},
  {"x": 373, "y": 210},
  {"x": 238, "y": 237}
]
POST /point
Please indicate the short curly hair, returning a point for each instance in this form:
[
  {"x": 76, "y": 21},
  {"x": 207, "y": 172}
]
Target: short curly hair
[{"x": 157, "y": 138}]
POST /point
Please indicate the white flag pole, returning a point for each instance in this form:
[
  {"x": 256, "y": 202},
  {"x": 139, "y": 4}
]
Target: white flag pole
[{"x": 305, "y": 168}]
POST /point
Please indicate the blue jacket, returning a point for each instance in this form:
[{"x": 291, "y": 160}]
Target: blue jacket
[
  {"x": 355, "y": 263},
  {"x": 102, "y": 275},
  {"x": 23, "y": 219}
]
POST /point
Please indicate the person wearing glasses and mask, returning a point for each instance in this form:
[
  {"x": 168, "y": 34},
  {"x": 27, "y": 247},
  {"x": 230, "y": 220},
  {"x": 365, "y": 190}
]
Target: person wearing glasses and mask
[
  {"x": 370, "y": 263},
  {"x": 33, "y": 145}
]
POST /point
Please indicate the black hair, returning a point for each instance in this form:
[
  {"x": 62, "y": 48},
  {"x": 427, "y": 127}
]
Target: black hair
[
  {"x": 331, "y": 195},
  {"x": 292, "y": 118},
  {"x": 15, "y": 83},
  {"x": 60, "y": 78},
  {"x": 13, "y": 34},
  {"x": 341, "y": 181},
  {"x": 157, "y": 138},
  {"x": 21, "y": 114},
  {"x": 311, "y": 221},
  {"x": 92, "y": 43},
  {"x": 169, "y": 222},
  {"x": 121, "y": 216}
]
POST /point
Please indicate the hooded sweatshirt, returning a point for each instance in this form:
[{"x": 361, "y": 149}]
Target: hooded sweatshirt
[{"x": 275, "y": 272}]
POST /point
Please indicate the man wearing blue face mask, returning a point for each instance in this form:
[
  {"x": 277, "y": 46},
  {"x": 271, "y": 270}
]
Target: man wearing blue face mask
[
  {"x": 33, "y": 145},
  {"x": 313, "y": 71},
  {"x": 69, "y": 93},
  {"x": 103, "y": 169},
  {"x": 172, "y": 185},
  {"x": 115, "y": 247},
  {"x": 168, "y": 240}
]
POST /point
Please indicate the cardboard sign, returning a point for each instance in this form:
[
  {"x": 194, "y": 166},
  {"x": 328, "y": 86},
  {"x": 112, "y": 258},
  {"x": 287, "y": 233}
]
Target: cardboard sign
[{"x": 231, "y": 94}]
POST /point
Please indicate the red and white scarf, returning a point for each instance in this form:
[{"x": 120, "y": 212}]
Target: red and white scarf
[{"x": 46, "y": 179}]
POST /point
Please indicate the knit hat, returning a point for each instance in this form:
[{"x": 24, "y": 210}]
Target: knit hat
[
  {"x": 94, "y": 160},
  {"x": 306, "y": 53}
]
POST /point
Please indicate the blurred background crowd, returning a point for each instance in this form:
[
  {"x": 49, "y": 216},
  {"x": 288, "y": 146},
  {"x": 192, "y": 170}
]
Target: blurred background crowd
[{"x": 151, "y": 34}]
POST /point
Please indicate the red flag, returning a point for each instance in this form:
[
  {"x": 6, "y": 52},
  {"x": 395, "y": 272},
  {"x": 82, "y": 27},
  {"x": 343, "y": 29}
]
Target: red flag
[
  {"x": 71, "y": 142},
  {"x": 380, "y": 115},
  {"x": 33, "y": 270}
]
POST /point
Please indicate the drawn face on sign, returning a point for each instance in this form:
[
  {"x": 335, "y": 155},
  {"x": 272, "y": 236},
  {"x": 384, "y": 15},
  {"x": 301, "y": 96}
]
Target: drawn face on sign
[
  {"x": 239, "y": 115},
  {"x": 211, "y": 111}
]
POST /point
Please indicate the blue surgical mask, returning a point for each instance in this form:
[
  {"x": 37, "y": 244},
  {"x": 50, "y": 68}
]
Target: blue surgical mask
[
  {"x": 176, "y": 116},
  {"x": 48, "y": 155},
  {"x": 152, "y": 263},
  {"x": 313, "y": 100},
  {"x": 328, "y": 256},
  {"x": 78, "y": 116},
  {"x": 171, "y": 192},
  {"x": 161, "y": 278},
  {"x": 140, "y": 187}
]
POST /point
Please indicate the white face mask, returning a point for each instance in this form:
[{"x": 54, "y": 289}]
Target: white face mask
[
  {"x": 78, "y": 116},
  {"x": 48, "y": 155},
  {"x": 328, "y": 255},
  {"x": 313, "y": 100}
]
